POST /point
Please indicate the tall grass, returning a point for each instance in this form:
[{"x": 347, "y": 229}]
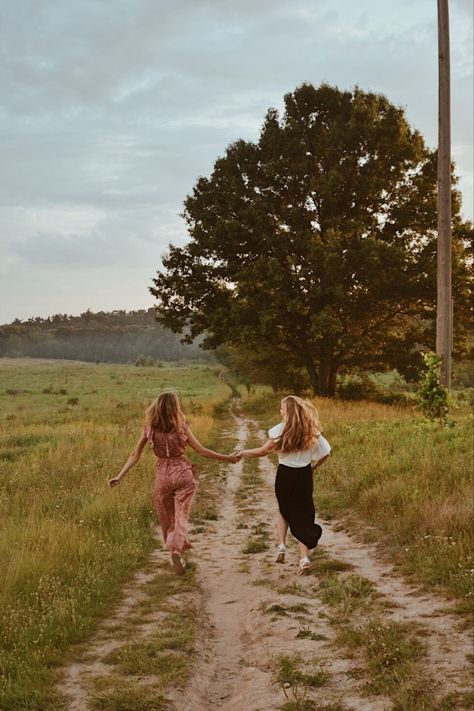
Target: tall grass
[
  {"x": 409, "y": 479},
  {"x": 67, "y": 541}
]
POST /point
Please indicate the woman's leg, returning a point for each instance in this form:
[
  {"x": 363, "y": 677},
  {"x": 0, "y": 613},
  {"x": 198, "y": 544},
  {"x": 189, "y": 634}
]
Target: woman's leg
[
  {"x": 282, "y": 529},
  {"x": 177, "y": 540},
  {"x": 164, "y": 508},
  {"x": 304, "y": 550},
  {"x": 295, "y": 498}
]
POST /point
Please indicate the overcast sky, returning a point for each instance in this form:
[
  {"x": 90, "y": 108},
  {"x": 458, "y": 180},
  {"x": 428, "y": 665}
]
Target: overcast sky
[{"x": 112, "y": 108}]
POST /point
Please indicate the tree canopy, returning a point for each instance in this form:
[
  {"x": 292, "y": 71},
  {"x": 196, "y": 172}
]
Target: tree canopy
[{"x": 313, "y": 250}]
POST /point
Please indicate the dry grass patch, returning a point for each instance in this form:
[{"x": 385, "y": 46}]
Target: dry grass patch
[
  {"x": 257, "y": 542},
  {"x": 394, "y": 655},
  {"x": 348, "y": 594},
  {"x": 458, "y": 701},
  {"x": 306, "y": 633},
  {"x": 283, "y": 610},
  {"x": 294, "y": 589},
  {"x": 117, "y": 694},
  {"x": 297, "y": 678}
]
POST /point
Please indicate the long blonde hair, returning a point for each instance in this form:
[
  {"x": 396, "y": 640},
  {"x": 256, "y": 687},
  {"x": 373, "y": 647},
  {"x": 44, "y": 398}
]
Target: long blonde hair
[
  {"x": 302, "y": 427},
  {"x": 165, "y": 414}
]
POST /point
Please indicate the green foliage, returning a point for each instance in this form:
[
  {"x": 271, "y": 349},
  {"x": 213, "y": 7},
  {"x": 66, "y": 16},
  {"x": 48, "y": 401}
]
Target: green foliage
[
  {"x": 263, "y": 365},
  {"x": 432, "y": 394},
  {"x": 313, "y": 250},
  {"x": 463, "y": 372},
  {"x": 466, "y": 395},
  {"x": 358, "y": 388},
  {"x": 369, "y": 386},
  {"x": 109, "y": 337}
]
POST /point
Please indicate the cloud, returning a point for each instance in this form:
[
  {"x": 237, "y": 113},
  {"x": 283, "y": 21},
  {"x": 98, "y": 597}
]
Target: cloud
[
  {"x": 93, "y": 239},
  {"x": 110, "y": 111}
]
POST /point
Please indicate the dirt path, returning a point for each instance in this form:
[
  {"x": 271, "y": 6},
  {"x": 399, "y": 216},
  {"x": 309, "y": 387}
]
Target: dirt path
[{"x": 256, "y": 616}]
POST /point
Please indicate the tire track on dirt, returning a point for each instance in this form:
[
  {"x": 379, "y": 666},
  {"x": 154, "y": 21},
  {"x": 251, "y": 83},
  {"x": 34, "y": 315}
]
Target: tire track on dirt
[{"x": 448, "y": 646}]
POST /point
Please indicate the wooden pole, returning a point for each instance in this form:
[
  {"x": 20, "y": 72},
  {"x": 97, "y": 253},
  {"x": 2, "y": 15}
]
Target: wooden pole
[{"x": 444, "y": 319}]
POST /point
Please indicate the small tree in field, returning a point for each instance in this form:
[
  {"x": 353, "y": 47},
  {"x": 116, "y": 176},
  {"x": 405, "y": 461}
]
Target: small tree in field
[{"x": 432, "y": 394}]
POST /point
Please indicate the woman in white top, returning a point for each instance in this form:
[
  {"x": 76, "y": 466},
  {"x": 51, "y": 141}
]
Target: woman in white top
[{"x": 298, "y": 442}]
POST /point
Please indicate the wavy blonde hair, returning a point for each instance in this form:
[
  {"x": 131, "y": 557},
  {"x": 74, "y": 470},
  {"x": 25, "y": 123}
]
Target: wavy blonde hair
[
  {"x": 165, "y": 414},
  {"x": 302, "y": 426}
]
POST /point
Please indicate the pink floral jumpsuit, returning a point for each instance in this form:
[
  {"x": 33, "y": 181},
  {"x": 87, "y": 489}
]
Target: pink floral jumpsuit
[{"x": 175, "y": 486}]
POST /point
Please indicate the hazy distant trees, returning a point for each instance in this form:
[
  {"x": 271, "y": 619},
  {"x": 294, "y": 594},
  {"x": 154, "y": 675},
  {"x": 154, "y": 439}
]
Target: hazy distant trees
[
  {"x": 313, "y": 251},
  {"x": 116, "y": 337}
]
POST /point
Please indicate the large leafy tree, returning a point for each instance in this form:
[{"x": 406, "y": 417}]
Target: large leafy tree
[{"x": 313, "y": 251}]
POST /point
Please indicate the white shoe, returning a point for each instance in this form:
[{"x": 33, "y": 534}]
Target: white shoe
[
  {"x": 305, "y": 565},
  {"x": 281, "y": 553}
]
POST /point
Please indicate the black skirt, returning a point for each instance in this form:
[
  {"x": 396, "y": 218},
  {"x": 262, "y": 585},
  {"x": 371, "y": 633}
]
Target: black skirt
[{"x": 294, "y": 492}]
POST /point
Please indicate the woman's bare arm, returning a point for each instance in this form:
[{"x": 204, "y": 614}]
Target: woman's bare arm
[
  {"x": 265, "y": 449},
  {"x": 321, "y": 461},
  {"x": 131, "y": 461},
  {"x": 209, "y": 453}
]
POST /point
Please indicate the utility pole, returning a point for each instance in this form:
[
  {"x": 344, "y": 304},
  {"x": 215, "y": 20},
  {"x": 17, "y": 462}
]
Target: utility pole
[{"x": 444, "y": 309}]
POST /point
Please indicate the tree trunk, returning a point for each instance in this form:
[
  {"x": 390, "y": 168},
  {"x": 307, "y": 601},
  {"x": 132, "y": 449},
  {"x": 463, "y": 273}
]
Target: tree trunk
[
  {"x": 322, "y": 381},
  {"x": 312, "y": 375},
  {"x": 323, "y": 378},
  {"x": 332, "y": 380},
  {"x": 444, "y": 318}
]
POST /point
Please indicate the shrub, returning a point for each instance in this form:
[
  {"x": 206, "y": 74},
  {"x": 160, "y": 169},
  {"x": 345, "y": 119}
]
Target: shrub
[
  {"x": 365, "y": 387},
  {"x": 463, "y": 373},
  {"x": 144, "y": 361},
  {"x": 360, "y": 387},
  {"x": 432, "y": 395}
]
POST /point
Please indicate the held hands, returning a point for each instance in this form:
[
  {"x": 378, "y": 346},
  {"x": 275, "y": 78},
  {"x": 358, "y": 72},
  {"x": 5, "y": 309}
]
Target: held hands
[
  {"x": 238, "y": 454},
  {"x": 235, "y": 457}
]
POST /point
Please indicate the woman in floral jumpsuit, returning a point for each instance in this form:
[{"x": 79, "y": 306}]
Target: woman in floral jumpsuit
[{"x": 168, "y": 434}]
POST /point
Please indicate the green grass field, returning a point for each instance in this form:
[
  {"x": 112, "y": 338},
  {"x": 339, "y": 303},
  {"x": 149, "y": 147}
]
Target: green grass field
[{"x": 67, "y": 541}]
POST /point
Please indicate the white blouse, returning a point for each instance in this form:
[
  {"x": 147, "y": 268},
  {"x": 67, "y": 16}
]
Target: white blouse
[{"x": 320, "y": 449}]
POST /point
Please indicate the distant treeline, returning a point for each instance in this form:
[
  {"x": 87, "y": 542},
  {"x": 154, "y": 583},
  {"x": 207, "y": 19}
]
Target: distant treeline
[{"x": 111, "y": 337}]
